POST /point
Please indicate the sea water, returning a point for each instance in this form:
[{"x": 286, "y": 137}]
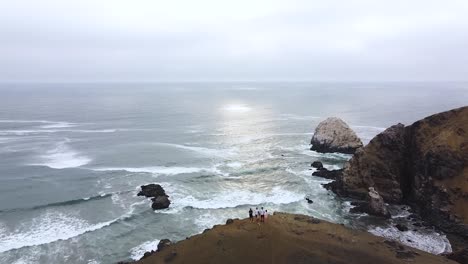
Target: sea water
[{"x": 73, "y": 155}]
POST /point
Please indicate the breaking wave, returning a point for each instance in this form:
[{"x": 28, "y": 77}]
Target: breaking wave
[{"x": 63, "y": 156}]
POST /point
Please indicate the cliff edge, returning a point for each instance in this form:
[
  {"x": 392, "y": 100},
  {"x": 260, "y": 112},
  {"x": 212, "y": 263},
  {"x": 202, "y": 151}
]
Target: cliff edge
[{"x": 288, "y": 238}]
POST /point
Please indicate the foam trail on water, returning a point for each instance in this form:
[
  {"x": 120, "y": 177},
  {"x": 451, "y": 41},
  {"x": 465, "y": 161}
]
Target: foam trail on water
[
  {"x": 25, "y": 132},
  {"x": 53, "y": 226},
  {"x": 63, "y": 156},
  {"x": 162, "y": 170},
  {"x": 26, "y": 121},
  {"x": 46, "y": 229},
  {"x": 59, "y": 125},
  {"x": 233, "y": 198},
  {"x": 202, "y": 150}
]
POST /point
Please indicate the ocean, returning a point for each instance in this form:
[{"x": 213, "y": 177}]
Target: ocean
[{"x": 73, "y": 155}]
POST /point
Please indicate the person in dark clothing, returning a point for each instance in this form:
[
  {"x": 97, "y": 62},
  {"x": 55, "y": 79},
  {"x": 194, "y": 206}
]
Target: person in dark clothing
[{"x": 251, "y": 215}]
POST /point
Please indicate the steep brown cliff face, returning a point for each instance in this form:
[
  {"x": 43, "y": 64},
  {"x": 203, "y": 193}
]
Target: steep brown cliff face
[
  {"x": 439, "y": 167},
  {"x": 424, "y": 164},
  {"x": 380, "y": 165}
]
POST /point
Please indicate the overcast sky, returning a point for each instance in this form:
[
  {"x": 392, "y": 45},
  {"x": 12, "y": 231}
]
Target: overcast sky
[{"x": 152, "y": 40}]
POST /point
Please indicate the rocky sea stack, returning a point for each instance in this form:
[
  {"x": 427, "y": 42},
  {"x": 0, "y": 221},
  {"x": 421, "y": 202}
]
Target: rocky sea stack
[
  {"x": 334, "y": 135},
  {"x": 424, "y": 165},
  {"x": 159, "y": 197}
]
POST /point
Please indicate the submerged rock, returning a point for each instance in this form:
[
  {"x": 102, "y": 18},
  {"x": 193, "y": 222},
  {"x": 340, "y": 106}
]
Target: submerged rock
[
  {"x": 401, "y": 227},
  {"x": 334, "y": 135},
  {"x": 160, "y": 199}
]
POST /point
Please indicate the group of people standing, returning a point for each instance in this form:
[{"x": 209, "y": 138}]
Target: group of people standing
[{"x": 259, "y": 215}]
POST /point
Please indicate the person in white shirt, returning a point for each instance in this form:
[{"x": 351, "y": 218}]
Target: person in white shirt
[
  {"x": 257, "y": 214},
  {"x": 266, "y": 215},
  {"x": 262, "y": 215}
]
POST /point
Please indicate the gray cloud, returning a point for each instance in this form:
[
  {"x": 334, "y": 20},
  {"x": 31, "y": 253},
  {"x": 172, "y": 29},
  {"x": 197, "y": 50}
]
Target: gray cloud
[{"x": 362, "y": 40}]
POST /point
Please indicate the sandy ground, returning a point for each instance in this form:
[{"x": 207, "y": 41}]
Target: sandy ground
[{"x": 287, "y": 238}]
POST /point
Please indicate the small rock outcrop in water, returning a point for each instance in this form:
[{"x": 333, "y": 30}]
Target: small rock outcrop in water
[
  {"x": 334, "y": 135},
  {"x": 317, "y": 164},
  {"x": 164, "y": 243},
  {"x": 377, "y": 205},
  {"x": 328, "y": 174},
  {"x": 159, "y": 197},
  {"x": 424, "y": 165},
  {"x": 152, "y": 190}
]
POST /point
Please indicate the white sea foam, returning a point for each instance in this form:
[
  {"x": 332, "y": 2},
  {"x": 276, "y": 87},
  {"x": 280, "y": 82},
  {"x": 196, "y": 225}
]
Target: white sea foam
[
  {"x": 46, "y": 229},
  {"x": 202, "y": 150},
  {"x": 111, "y": 130},
  {"x": 51, "y": 227},
  {"x": 232, "y": 198},
  {"x": 235, "y": 164},
  {"x": 63, "y": 156},
  {"x": 59, "y": 125},
  {"x": 403, "y": 212},
  {"x": 431, "y": 242},
  {"x": 26, "y": 121},
  {"x": 157, "y": 170},
  {"x": 25, "y": 132},
  {"x": 137, "y": 252}
]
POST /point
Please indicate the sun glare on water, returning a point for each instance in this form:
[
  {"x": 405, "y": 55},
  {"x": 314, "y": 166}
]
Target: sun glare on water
[{"x": 237, "y": 108}]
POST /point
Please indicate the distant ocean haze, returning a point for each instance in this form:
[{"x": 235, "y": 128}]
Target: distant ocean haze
[{"x": 72, "y": 158}]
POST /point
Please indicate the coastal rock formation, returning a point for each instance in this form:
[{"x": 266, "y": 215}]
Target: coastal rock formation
[
  {"x": 164, "y": 243},
  {"x": 373, "y": 205},
  {"x": 328, "y": 174},
  {"x": 317, "y": 164},
  {"x": 288, "y": 238},
  {"x": 380, "y": 164},
  {"x": 334, "y": 135},
  {"x": 424, "y": 165},
  {"x": 152, "y": 190},
  {"x": 377, "y": 205},
  {"x": 160, "y": 202},
  {"x": 159, "y": 197}
]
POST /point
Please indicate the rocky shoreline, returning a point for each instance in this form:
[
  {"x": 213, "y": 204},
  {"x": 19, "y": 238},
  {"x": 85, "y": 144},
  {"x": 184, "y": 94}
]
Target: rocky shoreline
[{"x": 424, "y": 165}]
